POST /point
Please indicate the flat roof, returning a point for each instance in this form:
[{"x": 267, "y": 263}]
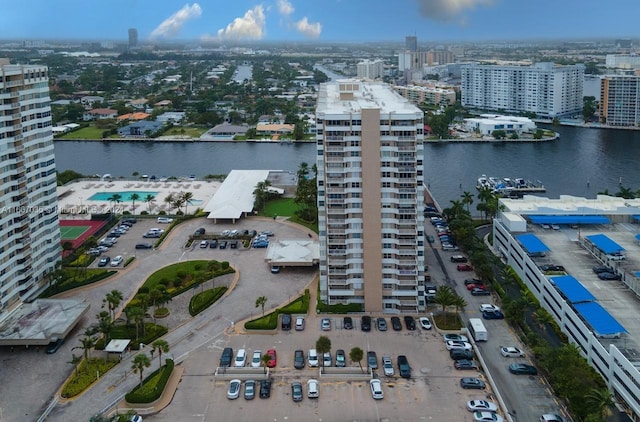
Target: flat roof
[
  {"x": 569, "y": 219},
  {"x": 600, "y": 320},
  {"x": 604, "y": 243},
  {"x": 117, "y": 345},
  {"x": 235, "y": 196},
  {"x": 572, "y": 289},
  {"x": 293, "y": 252},
  {"x": 572, "y": 205},
  {"x": 531, "y": 243}
]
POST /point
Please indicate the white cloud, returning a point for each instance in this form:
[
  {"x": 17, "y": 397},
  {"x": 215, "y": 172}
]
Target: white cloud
[
  {"x": 308, "y": 29},
  {"x": 449, "y": 10},
  {"x": 172, "y": 25},
  {"x": 251, "y": 26},
  {"x": 285, "y": 7}
]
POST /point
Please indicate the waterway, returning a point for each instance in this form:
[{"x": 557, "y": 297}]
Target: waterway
[{"x": 581, "y": 162}]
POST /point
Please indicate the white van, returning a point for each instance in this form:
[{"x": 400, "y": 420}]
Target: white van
[
  {"x": 241, "y": 359},
  {"x": 313, "y": 358},
  {"x": 312, "y": 389}
]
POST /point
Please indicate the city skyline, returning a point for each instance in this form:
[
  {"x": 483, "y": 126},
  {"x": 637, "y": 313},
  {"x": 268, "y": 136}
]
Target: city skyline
[{"x": 331, "y": 21}]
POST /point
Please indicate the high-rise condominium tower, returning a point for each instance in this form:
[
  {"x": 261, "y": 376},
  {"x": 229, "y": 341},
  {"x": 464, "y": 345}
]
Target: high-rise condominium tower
[
  {"x": 370, "y": 197},
  {"x": 29, "y": 231},
  {"x": 133, "y": 37}
]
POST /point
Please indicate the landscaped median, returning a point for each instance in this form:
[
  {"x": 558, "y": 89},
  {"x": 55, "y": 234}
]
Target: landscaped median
[
  {"x": 152, "y": 387},
  {"x": 270, "y": 321}
]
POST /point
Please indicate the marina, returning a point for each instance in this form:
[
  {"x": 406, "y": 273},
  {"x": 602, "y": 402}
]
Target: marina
[{"x": 510, "y": 187}]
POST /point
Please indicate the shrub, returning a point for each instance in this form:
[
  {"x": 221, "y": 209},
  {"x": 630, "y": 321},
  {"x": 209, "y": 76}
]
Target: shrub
[
  {"x": 338, "y": 309},
  {"x": 202, "y": 301},
  {"x": 268, "y": 322},
  {"x": 85, "y": 375},
  {"x": 152, "y": 387},
  {"x": 129, "y": 260}
]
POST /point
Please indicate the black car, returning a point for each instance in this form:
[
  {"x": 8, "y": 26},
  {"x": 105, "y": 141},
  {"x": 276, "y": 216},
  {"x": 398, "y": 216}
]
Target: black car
[
  {"x": 223, "y": 244},
  {"x": 522, "y": 369},
  {"x": 469, "y": 281},
  {"x": 396, "y": 324},
  {"x": 298, "y": 359},
  {"x": 465, "y": 364},
  {"x": 54, "y": 346},
  {"x": 372, "y": 359},
  {"x": 477, "y": 291},
  {"x": 403, "y": 366},
  {"x": 347, "y": 323},
  {"x": 460, "y": 354},
  {"x": 265, "y": 389},
  {"x": 233, "y": 244},
  {"x": 472, "y": 383},
  {"x": 144, "y": 246},
  {"x": 365, "y": 323},
  {"x": 609, "y": 276},
  {"x": 410, "y": 322},
  {"x": 213, "y": 243},
  {"x": 495, "y": 314},
  {"x": 226, "y": 358},
  {"x": 199, "y": 232},
  {"x": 599, "y": 270},
  {"x": 104, "y": 261},
  {"x": 129, "y": 221},
  {"x": 552, "y": 268},
  {"x": 286, "y": 322}
]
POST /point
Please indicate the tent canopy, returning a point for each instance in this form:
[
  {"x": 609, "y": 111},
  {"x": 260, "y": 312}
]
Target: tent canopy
[
  {"x": 605, "y": 244},
  {"x": 572, "y": 289},
  {"x": 531, "y": 243},
  {"x": 600, "y": 320}
]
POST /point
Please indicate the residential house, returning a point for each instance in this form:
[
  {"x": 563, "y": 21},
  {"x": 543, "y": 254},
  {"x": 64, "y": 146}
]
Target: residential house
[
  {"x": 224, "y": 132},
  {"x": 100, "y": 113},
  {"x": 171, "y": 117},
  {"x": 144, "y": 128}
]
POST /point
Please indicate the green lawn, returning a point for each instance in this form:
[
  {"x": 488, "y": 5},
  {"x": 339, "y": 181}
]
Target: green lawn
[
  {"x": 284, "y": 207},
  {"x": 89, "y": 132},
  {"x": 193, "y": 132}
]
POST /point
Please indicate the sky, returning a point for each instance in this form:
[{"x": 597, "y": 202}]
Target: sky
[{"x": 229, "y": 21}]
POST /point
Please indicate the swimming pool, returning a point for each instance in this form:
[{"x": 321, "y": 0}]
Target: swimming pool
[{"x": 125, "y": 196}]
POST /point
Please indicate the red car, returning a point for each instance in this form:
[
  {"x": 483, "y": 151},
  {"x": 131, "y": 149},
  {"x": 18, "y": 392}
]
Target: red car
[
  {"x": 475, "y": 286},
  {"x": 464, "y": 267},
  {"x": 273, "y": 359}
]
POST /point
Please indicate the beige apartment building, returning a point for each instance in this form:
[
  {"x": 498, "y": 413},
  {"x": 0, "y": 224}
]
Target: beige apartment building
[{"x": 370, "y": 197}]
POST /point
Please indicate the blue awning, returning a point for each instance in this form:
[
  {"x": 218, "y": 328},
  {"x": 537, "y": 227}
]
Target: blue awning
[
  {"x": 638, "y": 237},
  {"x": 572, "y": 289},
  {"x": 531, "y": 243},
  {"x": 605, "y": 244},
  {"x": 569, "y": 219},
  {"x": 636, "y": 217},
  {"x": 600, "y": 320}
]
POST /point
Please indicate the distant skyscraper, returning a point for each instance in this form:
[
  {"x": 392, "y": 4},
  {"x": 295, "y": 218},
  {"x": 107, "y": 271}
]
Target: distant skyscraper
[
  {"x": 370, "y": 197},
  {"x": 30, "y": 241},
  {"x": 620, "y": 100},
  {"x": 133, "y": 37},
  {"x": 411, "y": 43}
]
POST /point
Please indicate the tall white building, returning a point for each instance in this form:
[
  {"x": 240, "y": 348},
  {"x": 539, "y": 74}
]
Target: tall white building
[
  {"x": 543, "y": 88},
  {"x": 370, "y": 69},
  {"x": 29, "y": 230},
  {"x": 370, "y": 197}
]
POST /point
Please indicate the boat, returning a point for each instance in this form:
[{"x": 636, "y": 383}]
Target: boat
[{"x": 510, "y": 187}]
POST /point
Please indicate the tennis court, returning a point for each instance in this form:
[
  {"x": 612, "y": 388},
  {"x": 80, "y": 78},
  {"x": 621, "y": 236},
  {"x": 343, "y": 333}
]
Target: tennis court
[{"x": 72, "y": 232}]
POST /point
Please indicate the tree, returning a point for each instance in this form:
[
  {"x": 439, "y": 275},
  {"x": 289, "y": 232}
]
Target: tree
[
  {"x": 261, "y": 193},
  {"x": 356, "y": 355},
  {"x": 149, "y": 199},
  {"x": 467, "y": 199},
  {"x": 140, "y": 362},
  {"x": 162, "y": 347},
  {"x": 600, "y": 401},
  {"x": 260, "y": 302},
  {"x": 134, "y": 197},
  {"x": 499, "y": 134},
  {"x": 323, "y": 345},
  {"x": 87, "y": 343},
  {"x": 589, "y": 108},
  {"x": 136, "y": 314},
  {"x": 112, "y": 300},
  {"x": 444, "y": 297},
  {"x": 187, "y": 198},
  {"x": 105, "y": 325},
  {"x": 116, "y": 198},
  {"x": 75, "y": 360}
]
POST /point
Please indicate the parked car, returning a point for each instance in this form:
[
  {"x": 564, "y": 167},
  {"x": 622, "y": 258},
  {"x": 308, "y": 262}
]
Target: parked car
[
  {"x": 478, "y": 291},
  {"x": 296, "y": 391},
  {"x": 213, "y": 243},
  {"x": 313, "y": 358},
  {"x": 165, "y": 220},
  {"x": 410, "y": 322},
  {"x": 472, "y": 383},
  {"x": 94, "y": 252},
  {"x": 465, "y": 364},
  {"x": 552, "y": 417},
  {"x": 387, "y": 365},
  {"x": 298, "y": 359},
  {"x": 551, "y": 267},
  {"x": 299, "y": 323},
  {"x": 382, "y": 324},
  {"x": 488, "y": 307},
  {"x": 458, "y": 258},
  {"x": 403, "y": 367},
  {"x": 372, "y": 359},
  {"x": 492, "y": 315},
  {"x": 222, "y": 244},
  {"x": 469, "y": 281},
  {"x": 511, "y": 352},
  {"x": 144, "y": 246},
  {"x": 199, "y": 232},
  {"x": 487, "y": 417},
  {"x": 285, "y": 323},
  {"x": 376, "y": 389},
  {"x": 341, "y": 358},
  {"x": 522, "y": 369},
  {"x": 233, "y": 392},
  {"x": 233, "y": 244},
  {"x": 425, "y": 323},
  {"x": 265, "y": 389},
  {"x": 396, "y": 324},
  {"x": 365, "y": 323},
  {"x": 457, "y": 337},
  {"x": 204, "y": 244},
  {"x": 464, "y": 267},
  {"x": 273, "y": 358},
  {"x": 347, "y": 323},
  {"x": 249, "y": 389},
  {"x": 275, "y": 269},
  {"x": 325, "y": 324},
  {"x": 454, "y": 344},
  {"x": 601, "y": 269},
  {"x": 609, "y": 276},
  {"x": 256, "y": 359},
  {"x": 481, "y": 406},
  {"x": 326, "y": 359},
  {"x": 104, "y": 261},
  {"x": 226, "y": 357},
  {"x": 54, "y": 345},
  {"x": 241, "y": 358},
  {"x": 312, "y": 389},
  {"x": 458, "y": 354}
]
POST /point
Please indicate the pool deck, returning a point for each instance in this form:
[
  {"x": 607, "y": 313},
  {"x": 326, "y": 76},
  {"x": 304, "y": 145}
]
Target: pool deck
[{"x": 73, "y": 197}]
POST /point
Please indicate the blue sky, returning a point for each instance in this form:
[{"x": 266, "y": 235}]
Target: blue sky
[{"x": 320, "y": 20}]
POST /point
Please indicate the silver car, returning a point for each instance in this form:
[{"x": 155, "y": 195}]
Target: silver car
[{"x": 387, "y": 364}]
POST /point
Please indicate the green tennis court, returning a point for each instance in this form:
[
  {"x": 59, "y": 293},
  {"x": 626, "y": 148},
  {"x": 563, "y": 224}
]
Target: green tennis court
[{"x": 72, "y": 232}]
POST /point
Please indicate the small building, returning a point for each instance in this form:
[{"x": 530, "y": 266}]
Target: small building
[
  {"x": 138, "y": 104},
  {"x": 488, "y": 123},
  {"x": 134, "y": 116},
  {"x": 274, "y": 129},
  {"x": 163, "y": 103},
  {"x": 144, "y": 128},
  {"x": 171, "y": 117},
  {"x": 100, "y": 113},
  {"x": 224, "y": 132},
  {"x": 89, "y": 100}
]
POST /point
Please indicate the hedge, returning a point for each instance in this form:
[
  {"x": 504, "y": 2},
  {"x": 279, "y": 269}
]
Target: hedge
[
  {"x": 153, "y": 386},
  {"x": 339, "y": 308},
  {"x": 64, "y": 286},
  {"x": 203, "y": 300},
  {"x": 270, "y": 321}
]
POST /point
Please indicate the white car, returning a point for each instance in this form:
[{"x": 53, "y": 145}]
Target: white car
[
  {"x": 387, "y": 364},
  {"x": 481, "y": 406},
  {"x": 313, "y": 358},
  {"x": 455, "y": 344},
  {"x": 488, "y": 307},
  {"x": 312, "y": 389},
  {"x": 425, "y": 323},
  {"x": 117, "y": 261},
  {"x": 241, "y": 359},
  {"x": 164, "y": 220},
  {"x": 376, "y": 389},
  {"x": 552, "y": 417},
  {"x": 256, "y": 359},
  {"x": 511, "y": 352},
  {"x": 487, "y": 417},
  {"x": 234, "y": 389},
  {"x": 457, "y": 337}
]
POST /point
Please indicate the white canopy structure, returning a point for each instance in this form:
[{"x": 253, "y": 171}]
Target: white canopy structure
[{"x": 235, "y": 196}]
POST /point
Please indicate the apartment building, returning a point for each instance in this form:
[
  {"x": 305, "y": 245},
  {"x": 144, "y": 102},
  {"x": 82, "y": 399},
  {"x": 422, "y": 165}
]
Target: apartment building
[
  {"x": 417, "y": 94},
  {"x": 29, "y": 235},
  {"x": 620, "y": 100},
  {"x": 370, "y": 197},
  {"x": 370, "y": 69},
  {"x": 544, "y": 89}
]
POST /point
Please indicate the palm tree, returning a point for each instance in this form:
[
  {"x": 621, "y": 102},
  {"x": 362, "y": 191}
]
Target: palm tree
[
  {"x": 543, "y": 318},
  {"x": 323, "y": 345},
  {"x": 303, "y": 171},
  {"x": 116, "y": 198},
  {"x": 87, "y": 344},
  {"x": 149, "y": 199},
  {"x": 105, "y": 325},
  {"x": 134, "y": 197},
  {"x": 169, "y": 200},
  {"x": 187, "y": 198},
  {"x": 113, "y": 300},
  {"x": 136, "y": 314},
  {"x": 140, "y": 362},
  {"x": 467, "y": 199},
  {"x": 600, "y": 401},
  {"x": 162, "y": 347},
  {"x": 356, "y": 355},
  {"x": 75, "y": 360},
  {"x": 261, "y": 193},
  {"x": 260, "y": 302},
  {"x": 444, "y": 297}
]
